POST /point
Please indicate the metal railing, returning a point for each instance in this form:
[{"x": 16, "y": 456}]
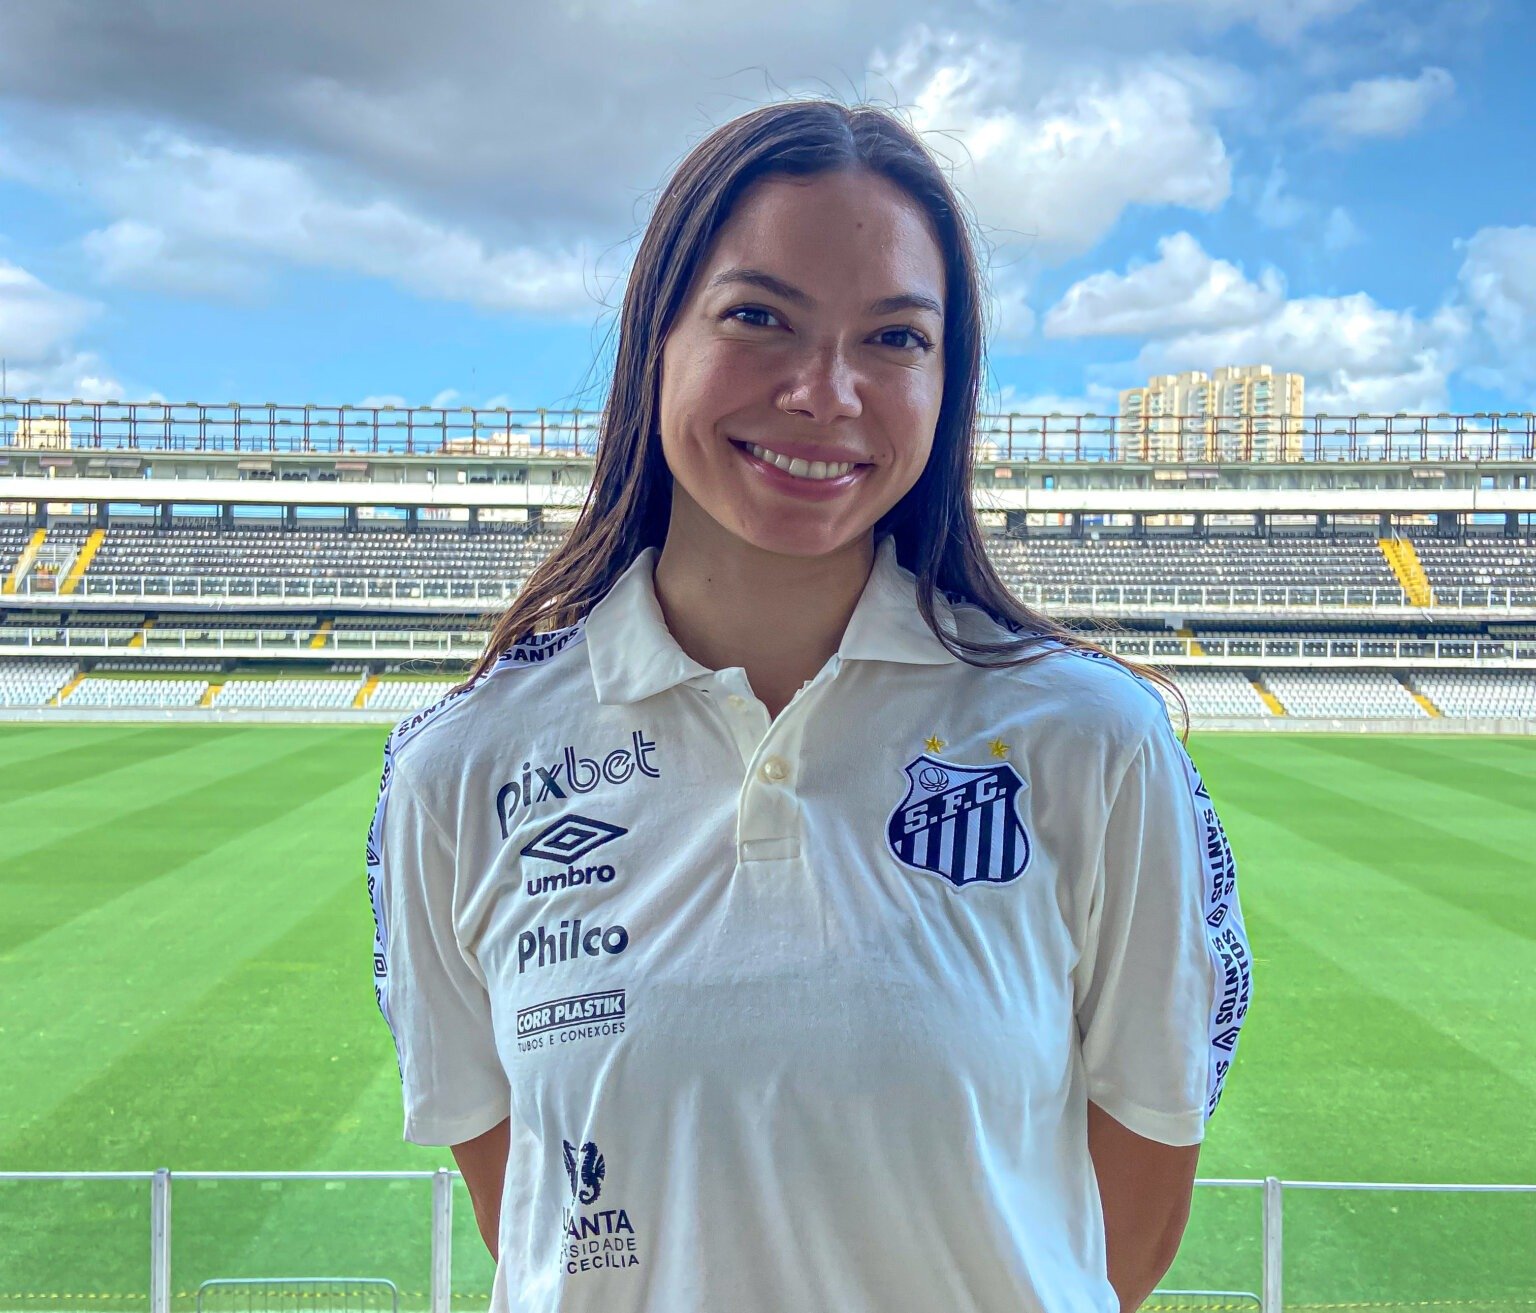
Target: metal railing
[
  {"x": 309, "y": 644},
  {"x": 269, "y": 428},
  {"x": 158, "y": 588},
  {"x": 441, "y": 1224}
]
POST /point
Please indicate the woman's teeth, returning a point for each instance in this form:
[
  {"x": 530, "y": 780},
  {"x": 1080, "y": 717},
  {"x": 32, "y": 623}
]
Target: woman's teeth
[{"x": 802, "y": 469}]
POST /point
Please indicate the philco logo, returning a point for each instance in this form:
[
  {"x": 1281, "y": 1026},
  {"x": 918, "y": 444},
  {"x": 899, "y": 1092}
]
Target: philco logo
[
  {"x": 572, "y": 774},
  {"x": 568, "y": 942}
]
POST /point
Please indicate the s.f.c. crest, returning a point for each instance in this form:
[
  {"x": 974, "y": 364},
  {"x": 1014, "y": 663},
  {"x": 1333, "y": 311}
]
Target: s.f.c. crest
[{"x": 960, "y": 822}]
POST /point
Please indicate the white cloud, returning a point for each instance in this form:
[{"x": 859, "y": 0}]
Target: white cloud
[
  {"x": 1356, "y": 355},
  {"x": 1009, "y": 318},
  {"x": 1275, "y": 206},
  {"x": 138, "y": 254},
  {"x": 1061, "y": 162},
  {"x": 35, "y": 319},
  {"x": 1378, "y": 107},
  {"x": 1280, "y": 20},
  {"x": 198, "y": 217},
  {"x": 1201, "y": 313},
  {"x": 1095, "y": 399},
  {"x": 1055, "y": 150},
  {"x": 1498, "y": 281},
  {"x": 1184, "y": 289},
  {"x": 1339, "y": 230},
  {"x": 38, "y": 325}
]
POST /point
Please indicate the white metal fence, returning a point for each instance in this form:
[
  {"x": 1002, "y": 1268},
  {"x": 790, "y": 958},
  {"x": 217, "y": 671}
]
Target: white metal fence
[{"x": 1519, "y": 1292}]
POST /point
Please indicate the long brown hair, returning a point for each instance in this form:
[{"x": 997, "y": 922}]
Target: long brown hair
[{"x": 627, "y": 507}]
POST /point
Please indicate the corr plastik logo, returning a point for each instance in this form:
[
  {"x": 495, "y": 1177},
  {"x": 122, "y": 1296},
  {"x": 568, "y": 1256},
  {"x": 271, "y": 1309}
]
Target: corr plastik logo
[{"x": 572, "y": 774}]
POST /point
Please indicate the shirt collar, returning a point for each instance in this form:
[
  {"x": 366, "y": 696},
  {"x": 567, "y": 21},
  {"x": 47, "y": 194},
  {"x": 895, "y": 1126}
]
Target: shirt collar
[{"x": 634, "y": 655}]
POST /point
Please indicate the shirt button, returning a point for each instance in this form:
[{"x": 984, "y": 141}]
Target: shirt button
[
  {"x": 775, "y": 769},
  {"x": 736, "y": 700}
]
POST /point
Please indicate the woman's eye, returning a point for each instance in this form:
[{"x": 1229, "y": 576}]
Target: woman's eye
[{"x": 923, "y": 344}]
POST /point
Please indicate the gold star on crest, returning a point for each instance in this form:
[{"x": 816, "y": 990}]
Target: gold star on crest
[
  {"x": 934, "y": 743},
  {"x": 999, "y": 748}
]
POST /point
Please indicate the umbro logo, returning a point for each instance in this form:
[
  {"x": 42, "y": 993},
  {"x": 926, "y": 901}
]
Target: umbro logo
[{"x": 570, "y": 838}]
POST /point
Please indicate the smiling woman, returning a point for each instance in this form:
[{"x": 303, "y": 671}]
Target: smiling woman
[
  {"x": 801, "y": 1002},
  {"x": 833, "y": 379}
]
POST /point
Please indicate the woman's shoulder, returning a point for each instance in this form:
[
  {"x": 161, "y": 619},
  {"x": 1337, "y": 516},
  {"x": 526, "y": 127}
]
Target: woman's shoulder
[
  {"x": 1084, "y": 684},
  {"x": 444, "y": 736}
]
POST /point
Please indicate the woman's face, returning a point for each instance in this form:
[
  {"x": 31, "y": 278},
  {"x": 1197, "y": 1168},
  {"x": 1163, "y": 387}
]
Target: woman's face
[{"x": 812, "y": 367}]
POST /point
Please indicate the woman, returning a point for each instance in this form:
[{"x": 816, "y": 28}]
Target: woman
[{"x": 782, "y": 917}]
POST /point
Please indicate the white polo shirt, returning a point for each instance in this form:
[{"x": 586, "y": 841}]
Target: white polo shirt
[{"x": 801, "y": 1015}]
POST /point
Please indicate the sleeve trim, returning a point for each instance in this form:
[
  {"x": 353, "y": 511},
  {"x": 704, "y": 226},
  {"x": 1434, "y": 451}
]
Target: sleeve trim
[
  {"x": 1172, "y": 1128},
  {"x": 432, "y": 1131},
  {"x": 1225, "y": 937}
]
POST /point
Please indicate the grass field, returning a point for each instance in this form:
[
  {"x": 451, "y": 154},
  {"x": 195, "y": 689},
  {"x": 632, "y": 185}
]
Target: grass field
[{"x": 185, "y": 943}]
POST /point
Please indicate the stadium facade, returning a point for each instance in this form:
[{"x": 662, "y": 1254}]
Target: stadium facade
[{"x": 194, "y": 561}]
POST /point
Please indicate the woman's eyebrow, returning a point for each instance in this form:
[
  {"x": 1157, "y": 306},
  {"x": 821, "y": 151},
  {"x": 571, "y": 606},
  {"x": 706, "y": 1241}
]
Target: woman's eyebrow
[{"x": 771, "y": 283}]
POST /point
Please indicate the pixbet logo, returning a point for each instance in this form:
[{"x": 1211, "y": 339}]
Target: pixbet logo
[{"x": 580, "y": 775}]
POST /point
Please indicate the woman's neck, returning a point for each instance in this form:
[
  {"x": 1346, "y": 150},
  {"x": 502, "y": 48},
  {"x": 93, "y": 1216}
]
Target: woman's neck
[{"x": 729, "y": 603}]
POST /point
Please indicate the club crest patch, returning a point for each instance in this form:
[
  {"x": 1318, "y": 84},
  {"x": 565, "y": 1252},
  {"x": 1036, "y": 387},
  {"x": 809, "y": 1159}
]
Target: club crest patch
[{"x": 960, "y": 822}]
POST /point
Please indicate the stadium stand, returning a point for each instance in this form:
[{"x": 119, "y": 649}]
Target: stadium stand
[
  {"x": 314, "y": 693},
  {"x": 32, "y": 683},
  {"x": 1340, "y": 561},
  {"x": 1368, "y": 693},
  {"x": 1362, "y": 611},
  {"x": 99, "y": 691},
  {"x": 1051, "y": 566},
  {"x": 405, "y": 695},
  {"x": 1479, "y": 692}
]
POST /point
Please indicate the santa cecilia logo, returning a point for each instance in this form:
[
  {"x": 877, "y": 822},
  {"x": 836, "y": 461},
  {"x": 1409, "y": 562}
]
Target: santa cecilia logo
[
  {"x": 586, "y": 1172},
  {"x": 960, "y": 821},
  {"x": 593, "y": 1238}
]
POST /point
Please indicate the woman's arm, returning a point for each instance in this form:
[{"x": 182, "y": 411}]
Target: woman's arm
[
  {"x": 1145, "y": 1188},
  {"x": 483, "y": 1163}
]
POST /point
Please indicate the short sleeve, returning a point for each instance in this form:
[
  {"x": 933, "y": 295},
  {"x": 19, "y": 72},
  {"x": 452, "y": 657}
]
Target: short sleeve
[
  {"x": 432, "y": 996},
  {"x": 1165, "y": 978}
]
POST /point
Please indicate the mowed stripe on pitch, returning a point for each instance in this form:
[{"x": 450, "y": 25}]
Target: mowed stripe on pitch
[
  {"x": 80, "y": 993},
  {"x": 1471, "y": 857},
  {"x": 1496, "y": 789},
  {"x": 106, "y": 782},
  {"x": 348, "y": 1223},
  {"x": 256, "y": 1072},
  {"x": 24, "y": 747},
  {"x": 1457, "y": 970},
  {"x": 1397, "y": 767},
  {"x": 1355, "y": 1087},
  {"x": 84, "y": 853},
  {"x": 284, "y": 1026}
]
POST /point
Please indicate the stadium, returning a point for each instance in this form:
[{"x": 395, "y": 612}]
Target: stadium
[{"x": 210, "y": 613}]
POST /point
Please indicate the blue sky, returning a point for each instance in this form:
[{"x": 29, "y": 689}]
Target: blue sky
[{"x": 332, "y": 204}]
